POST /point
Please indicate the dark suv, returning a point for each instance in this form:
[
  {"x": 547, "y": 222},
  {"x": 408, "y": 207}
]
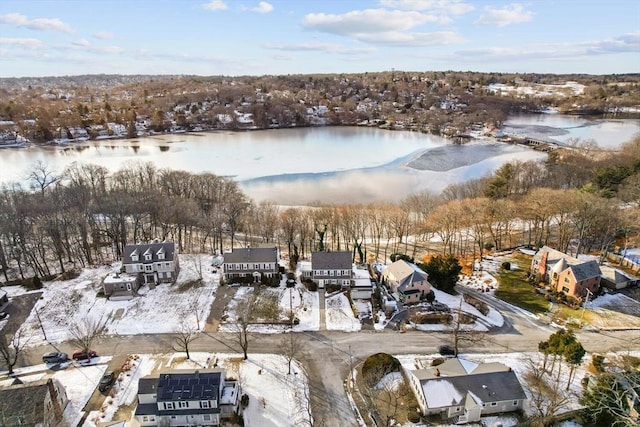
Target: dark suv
[
  {"x": 106, "y": 381},
  {"x": 55, "y": 357}
]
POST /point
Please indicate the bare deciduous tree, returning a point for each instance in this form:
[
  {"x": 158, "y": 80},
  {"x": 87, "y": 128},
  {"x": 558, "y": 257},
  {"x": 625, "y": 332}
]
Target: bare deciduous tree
[
  {"x": 291, "y": 346},
  {"x": 10, "y": 350},
  {"x": 243, "y": 317},
  {"x": 184, "y": 337},
  {"x": 83, "y": 333}
]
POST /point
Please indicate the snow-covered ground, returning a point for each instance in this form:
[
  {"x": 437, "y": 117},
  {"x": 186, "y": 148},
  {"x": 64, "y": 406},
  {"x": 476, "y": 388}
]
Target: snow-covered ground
[
  {"x": 167, "y": 308},
  {"x": 340, "y": 315}
]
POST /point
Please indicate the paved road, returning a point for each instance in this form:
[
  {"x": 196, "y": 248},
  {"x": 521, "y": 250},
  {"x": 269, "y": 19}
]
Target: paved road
[{"x": 328, "y": 354}]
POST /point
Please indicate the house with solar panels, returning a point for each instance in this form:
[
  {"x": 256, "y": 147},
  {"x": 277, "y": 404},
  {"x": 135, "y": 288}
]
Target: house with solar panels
[{"x": 186, "y": 398}]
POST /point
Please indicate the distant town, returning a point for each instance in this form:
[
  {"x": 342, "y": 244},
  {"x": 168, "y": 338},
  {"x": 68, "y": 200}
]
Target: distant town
[{"x": 452, "y": 104}]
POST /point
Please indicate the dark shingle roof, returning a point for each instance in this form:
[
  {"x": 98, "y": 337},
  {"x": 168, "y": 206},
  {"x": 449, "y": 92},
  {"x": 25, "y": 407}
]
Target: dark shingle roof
[
  {"x": 242, "y": 255},
  {"x": 586, "y": 270},
  {"x": 340, "y": 260},
  {"x": 23, "y": 404},
  {"x": 169, "y": 249}
]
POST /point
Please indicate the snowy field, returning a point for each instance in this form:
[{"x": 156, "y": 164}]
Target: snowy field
[{"x": 167, "y": 308}]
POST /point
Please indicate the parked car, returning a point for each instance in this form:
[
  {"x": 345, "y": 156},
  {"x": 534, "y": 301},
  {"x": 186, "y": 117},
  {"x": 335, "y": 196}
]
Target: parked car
[
  {"x": 446, "y": 350},
  {"x": 83, "y": 354},
  {"x": 55, "y": 357},
  {"x": 106, "y": 381},
  {"x": 291, "y": 283}
]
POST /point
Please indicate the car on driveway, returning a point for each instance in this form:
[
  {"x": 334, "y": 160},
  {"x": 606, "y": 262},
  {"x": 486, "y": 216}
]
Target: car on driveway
[
  {"x": 83, "y": 354},
  {"x": 55, "y": 357},
  {"x": 106, "y": 381}
]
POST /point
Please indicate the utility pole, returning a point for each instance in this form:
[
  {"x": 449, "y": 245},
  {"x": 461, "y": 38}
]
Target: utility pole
[
  {"x": 584, "y": 305},
  {"x": 40, "y": 322}
]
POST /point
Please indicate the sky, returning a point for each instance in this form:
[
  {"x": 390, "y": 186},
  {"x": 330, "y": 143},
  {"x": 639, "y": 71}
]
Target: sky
[{"x": 249, "y": 37}]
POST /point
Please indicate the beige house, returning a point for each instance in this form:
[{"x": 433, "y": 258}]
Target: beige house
[
  {"x": 407, "y": 282},
  {"x": 463, "y": 391}
]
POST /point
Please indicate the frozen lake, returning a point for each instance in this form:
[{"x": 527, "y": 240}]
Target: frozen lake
[{"x": 298, "y": 166}]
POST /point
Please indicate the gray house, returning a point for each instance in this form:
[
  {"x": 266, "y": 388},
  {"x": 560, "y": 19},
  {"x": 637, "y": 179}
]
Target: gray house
[
  {"x": 332, "y": 268},
  {"x": 152, "y": 262},
  {"x": 118, "y": 286},
  {"x": 37, "y": 403},
  {"x": 251, "y": 262},
  {"x": 463, "y": 391},
  {"x": 186, "y": 398}
]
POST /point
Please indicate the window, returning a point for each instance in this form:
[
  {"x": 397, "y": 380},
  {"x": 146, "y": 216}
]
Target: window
[
  {"x": 515, "y": 403},
  {"x": 147, "y": 257},
  {"x": 161, "y": 255},
  {"x": 494, "y": 403},
  {"x": 148, "y": 267},
  {"x": 183, "y": 404},
  {"x": 566, "y": 280},
  {"x": 565, "y": 289},
  {"x": 134, "y": 257},
  {"x": 145, "y": 419},
  {"x": 173, "y": 417},
  {"x": 206, "y": 417},
  {"x": 168, "y": 405},
  {"x": 205, "y": 404}
]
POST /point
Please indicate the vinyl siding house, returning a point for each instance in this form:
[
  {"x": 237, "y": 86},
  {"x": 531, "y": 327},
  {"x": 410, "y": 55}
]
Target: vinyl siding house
[
  {"x": 186, "y": 398},
  {"x": 332, "y": 268},
  {"x": 615, "y": 279},
  {"x": 38, "y": 403},
  {"x": 463, "y": 391},
  {"x": 563, "y": 273},
  {"x": 407, "y": 282},
  {"x": 251, "y": 262},
  {"x": 119, "y": 286},
  {"x": 152, "y": 262}
]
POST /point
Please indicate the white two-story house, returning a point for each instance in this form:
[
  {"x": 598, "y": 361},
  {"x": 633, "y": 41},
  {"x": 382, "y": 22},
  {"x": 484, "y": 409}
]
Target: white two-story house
[
  {"x": 152, "y": 262},
  {"x": 332, "y": 268},
  {"x": 186, "y": 398},
  {"x": 251, "y": 262}
]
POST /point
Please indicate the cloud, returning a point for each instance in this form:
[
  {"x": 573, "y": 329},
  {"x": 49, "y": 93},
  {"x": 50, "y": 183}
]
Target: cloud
[
  {"x": 627, "y": 43},
  {"x": 366, "y": 21},
  {"x": 511, "y": 14},
  {"x": 448, "y": 7},
  {"x": 318, "y": 47},
  {"x": 41, "y": 24},
  {"x": 405, "y": 39},
  {"x": 262, "y": 7},
  {"x": 103, "y": 35},
  {"x": 284, "y": 57},
  {"x": 215, "y": 5},
  {"x": 25, "y": 43}
]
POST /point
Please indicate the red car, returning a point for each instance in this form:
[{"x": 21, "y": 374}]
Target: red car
[{"x": 83, "y": 354}]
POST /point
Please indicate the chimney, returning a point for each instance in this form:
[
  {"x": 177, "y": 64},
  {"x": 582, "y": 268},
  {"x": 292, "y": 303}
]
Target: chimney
[{"x": 55, "y": 403}]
